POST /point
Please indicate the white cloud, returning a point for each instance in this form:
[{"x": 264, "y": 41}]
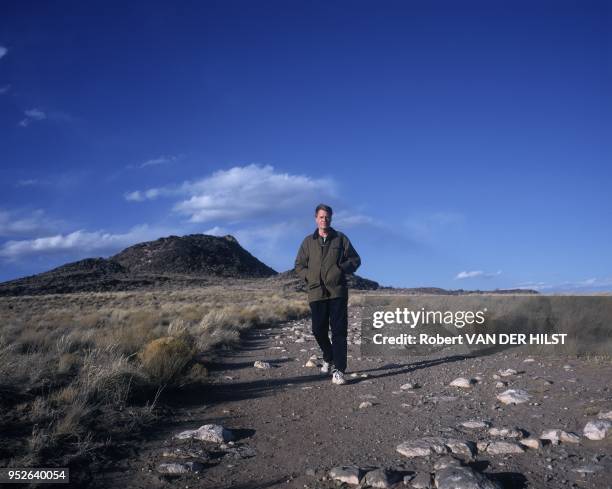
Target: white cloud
[
  {"x": 28, "y": 182},
  {"x": 346, "y": 219},
  {"x": 32, "y": 115},
  {"x": 20, "y": 223},
  {"x": 151, "y": 194},
  {"x": 79, "y": 242},
  {"x": 475, "y": 274},
  {"x": 242, "y": 193},
  {"x": 4, "y": 89},
  {"x": 3, "y": 51},
  {"x": 35, "y": 114},
  {"x": 162, "y": 160}
]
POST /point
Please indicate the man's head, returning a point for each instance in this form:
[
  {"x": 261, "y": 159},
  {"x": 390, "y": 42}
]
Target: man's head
[{"x": 323, "y": 217}]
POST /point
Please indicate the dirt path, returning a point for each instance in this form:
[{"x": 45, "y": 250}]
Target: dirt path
[{"x": 293, "y": 425}]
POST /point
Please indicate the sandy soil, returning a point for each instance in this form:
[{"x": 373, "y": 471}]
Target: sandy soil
[{"x": 293, "y": 425}]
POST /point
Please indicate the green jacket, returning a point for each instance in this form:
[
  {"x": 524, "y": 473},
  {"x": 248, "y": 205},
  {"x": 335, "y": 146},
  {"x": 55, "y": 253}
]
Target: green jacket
[{"x": 325, "y": 270}]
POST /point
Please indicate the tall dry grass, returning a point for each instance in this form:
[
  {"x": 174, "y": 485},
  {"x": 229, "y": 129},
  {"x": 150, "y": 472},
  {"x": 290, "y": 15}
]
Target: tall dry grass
[{"x": 79, "y": 370}]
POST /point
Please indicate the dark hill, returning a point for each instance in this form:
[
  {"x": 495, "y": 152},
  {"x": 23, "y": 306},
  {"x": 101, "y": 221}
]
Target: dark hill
[
  {"x": 193, "y": 260},
  {"x": 196, "y": 254}
]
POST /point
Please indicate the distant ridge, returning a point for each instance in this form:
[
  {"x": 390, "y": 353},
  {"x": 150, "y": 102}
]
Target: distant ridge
[{"x": 184, "y": 261}]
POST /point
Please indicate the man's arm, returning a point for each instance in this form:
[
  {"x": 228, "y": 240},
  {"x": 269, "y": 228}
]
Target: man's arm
[
  {"x": 301, "y": 261},
  {"x": 350, "y": 260}
]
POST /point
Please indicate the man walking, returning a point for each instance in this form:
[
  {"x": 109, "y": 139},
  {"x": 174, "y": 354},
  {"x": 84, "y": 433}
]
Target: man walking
[{"x": 323, "y": 261}]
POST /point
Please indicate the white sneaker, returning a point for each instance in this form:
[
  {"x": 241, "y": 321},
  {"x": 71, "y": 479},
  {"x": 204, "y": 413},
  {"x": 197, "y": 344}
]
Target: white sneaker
[
  {"x": 326, "y": 367},
  {"x": 338, "y": 378}
]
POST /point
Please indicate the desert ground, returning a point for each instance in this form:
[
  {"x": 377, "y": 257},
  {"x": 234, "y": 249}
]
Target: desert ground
[{"x": 112, "y": 385}]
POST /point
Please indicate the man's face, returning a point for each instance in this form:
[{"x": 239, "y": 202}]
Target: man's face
[{"x": 323, "y": 220}]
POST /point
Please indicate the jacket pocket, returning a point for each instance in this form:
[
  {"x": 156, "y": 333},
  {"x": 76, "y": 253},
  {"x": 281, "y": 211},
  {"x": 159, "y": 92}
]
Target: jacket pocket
[{"x": 334, "y": 276}]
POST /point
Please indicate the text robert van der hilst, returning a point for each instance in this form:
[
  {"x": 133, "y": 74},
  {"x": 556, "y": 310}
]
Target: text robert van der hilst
[{"x": 412, "y": 318}]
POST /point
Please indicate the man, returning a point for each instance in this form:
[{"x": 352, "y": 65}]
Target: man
[{"x": 323, "y": 261}]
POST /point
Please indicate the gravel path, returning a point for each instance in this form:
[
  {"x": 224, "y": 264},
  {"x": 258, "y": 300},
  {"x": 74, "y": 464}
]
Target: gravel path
[{"x": 293, "y": 425}]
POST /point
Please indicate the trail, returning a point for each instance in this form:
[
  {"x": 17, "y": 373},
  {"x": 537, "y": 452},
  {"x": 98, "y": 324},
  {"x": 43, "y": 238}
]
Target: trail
[{"x": 294, "y": 425}]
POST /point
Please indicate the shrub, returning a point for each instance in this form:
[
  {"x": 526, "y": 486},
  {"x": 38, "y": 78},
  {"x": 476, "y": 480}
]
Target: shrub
[{"x": 164, "y": 358}]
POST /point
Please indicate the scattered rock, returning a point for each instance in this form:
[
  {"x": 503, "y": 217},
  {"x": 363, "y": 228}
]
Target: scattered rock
[
  {"x": 514, "y": 396},
  {"x": 506, "y": 432},
  {"x": 347, "y": 474},
  {"x": 500, "y": 384},
  {"x": 261, "y": 364},
  {"x": 365, "y": 404},
  {"x": 503, "y": 447},
  {"x": 597, "y": 430},
  {"x": 422, "y": 447},
  {"x": 380, "y": 478},
  {"x": 421, "y": 481},
  {"x": 209, "y": 432},
  {"x": 482, "y": 446},
  {"x": 475, "y": 424},
  {"x": 553, "y": 436},
  {"x": 569, "y": 437},
  {"x": 175, "y": 468},
  {"x": 534, "y": 443},
  {"x": 430, "y": 445},
  {"x": 508, "y": 372},
  {"x": 462, "y": 382},
  {"x": 310, "y": 364},
  {"x": 408, "y": 386},
  {"x": 454, "y": 475},
  {"x": 461, "y": 447}
]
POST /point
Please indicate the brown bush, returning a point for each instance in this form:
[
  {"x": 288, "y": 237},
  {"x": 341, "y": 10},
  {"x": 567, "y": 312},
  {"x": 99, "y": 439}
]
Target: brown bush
[{"x": 164, "y": 358}]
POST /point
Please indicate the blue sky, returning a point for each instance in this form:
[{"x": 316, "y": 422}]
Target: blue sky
[{"x": 461, "y": 144}]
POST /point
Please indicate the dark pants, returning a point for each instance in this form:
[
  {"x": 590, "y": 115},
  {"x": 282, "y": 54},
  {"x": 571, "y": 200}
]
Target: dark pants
[{"x": 326, "y": 313}]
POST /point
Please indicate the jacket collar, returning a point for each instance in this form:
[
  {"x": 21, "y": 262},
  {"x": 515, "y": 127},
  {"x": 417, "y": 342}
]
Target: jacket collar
[{"x": 331, "y": 234}]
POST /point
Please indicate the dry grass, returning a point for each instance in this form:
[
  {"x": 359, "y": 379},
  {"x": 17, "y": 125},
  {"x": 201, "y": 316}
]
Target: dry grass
[
  {"x": 165, "y": 358},
  {"x": 79, "y": 370}
]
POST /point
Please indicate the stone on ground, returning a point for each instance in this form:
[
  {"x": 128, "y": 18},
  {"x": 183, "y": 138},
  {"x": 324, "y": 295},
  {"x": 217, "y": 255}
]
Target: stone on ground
[
  {"x": 475, "y": 424},
  {"x": 380, "y": 478},
  {"x": 347, "y": 474},
  {"x": 514, "y": 396},
  {"x": 262, "y": 364},
  {"x": 462, "y": 382},
  {"x": 534, "y": 443},
  {"x": 209, "y": 432},
  {"x": 506, "y": 432},
  {"x": 504, "y": 447},
  {"x": 175, "y": 468},
  {"x": 454, "y": 475},
  {"x": 597, "y": 430},
  {"x": 422, "y": 447}
]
